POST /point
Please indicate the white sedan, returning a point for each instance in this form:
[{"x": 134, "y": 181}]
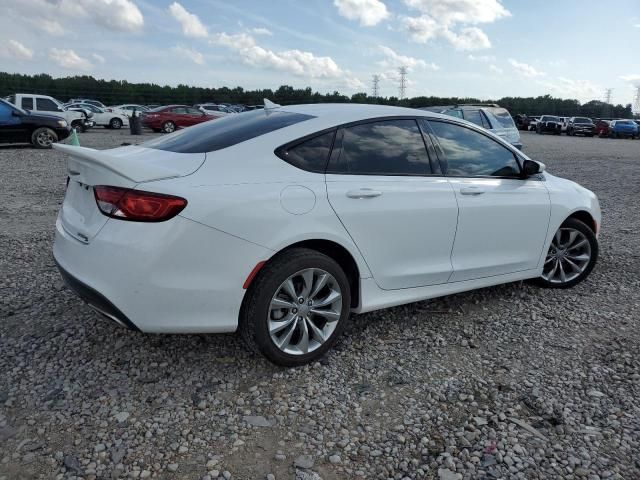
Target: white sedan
[
  {"x": 281, "y": 222},
  {"x": 103, "y": 117}
]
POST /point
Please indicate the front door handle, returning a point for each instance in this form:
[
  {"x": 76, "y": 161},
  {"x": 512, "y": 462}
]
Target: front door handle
[
  {"x": 471, "y": 191},
  {"x": 363, "y": 193}
]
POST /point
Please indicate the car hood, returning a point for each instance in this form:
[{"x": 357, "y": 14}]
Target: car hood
[{"x": 564, "y": 183}]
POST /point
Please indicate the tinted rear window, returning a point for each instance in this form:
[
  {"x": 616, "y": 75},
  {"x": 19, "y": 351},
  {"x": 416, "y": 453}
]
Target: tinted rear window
[
  {"x": 225, "y": 132},
  {"x": 503, "y": 116},
  {"x": 311, "y": 155}
]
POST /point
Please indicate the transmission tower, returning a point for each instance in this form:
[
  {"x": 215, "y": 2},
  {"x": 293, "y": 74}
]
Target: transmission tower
[
  {"x": 403, "y": 81},
  {"x": 607, "y": 95},
  {"x": 636, "y": 101},
  {"x": 376, "y": 84}
]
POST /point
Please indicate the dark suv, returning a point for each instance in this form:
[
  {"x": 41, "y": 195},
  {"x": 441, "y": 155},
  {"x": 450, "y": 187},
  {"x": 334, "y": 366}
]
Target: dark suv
[
  {"x": 549, "y": 124},
  {"x": 21, "y": 126},
  {"x": 581, "y": 126}
]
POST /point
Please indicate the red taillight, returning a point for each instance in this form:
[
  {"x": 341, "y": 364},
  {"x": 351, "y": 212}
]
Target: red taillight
[{"x": 136, "y": 205}]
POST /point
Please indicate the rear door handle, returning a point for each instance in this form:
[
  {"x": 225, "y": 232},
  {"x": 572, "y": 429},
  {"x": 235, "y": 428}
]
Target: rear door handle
[
  {"x": 471, "y": 191},
  {"x": 363, "y": 193}
]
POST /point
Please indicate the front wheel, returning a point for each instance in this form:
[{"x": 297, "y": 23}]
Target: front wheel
[
  {"x": 168, "y": 127},
  {"x": 296, "y": 307},
  {"x": 115, "y": 123},
  {"x": 43, "y": 138},
  {"x": 571, "y": 257}
]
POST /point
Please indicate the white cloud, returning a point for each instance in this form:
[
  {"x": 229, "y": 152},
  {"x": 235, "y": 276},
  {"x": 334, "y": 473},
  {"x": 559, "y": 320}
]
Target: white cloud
[
  {"x": 496, "y": 69},
  {"x": 367, "y": 12},
  {"x": 469, "y": 38},
  {"x": 394, "y": 60},
  {"x": 261, "y": 31},
  {"x": 481, "y": 58},
  {"x": 49, "y": 15},
  {"x": 525, "y": 69},
  {"x": 67, "y": 58},
  {"x": 15, "y": 50},
  {"x": 449, "y": 12},
  {"x": 296, "y": 62},
  {"x": 98, "y": 58},
  {"x": 193, "y": 55},
  {"x": 583, "y": 90},
  {"x": 633, "y": 79},
  {"x": 450, "y": 20},
  {"x": 191, "y": 24}
]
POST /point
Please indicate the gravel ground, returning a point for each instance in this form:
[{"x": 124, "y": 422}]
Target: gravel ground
[{"x": 505, "y": 382}]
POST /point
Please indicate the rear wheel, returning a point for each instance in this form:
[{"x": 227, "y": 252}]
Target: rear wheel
[
  {"x": 296, "y": 307},
  {"x": 43, "y": 138},
  {"x": 168, "y": 127},
  {"x": 79, "y": 126},
  {"x": 115, "y": 123},
  {"x": 571, "y": 257}
]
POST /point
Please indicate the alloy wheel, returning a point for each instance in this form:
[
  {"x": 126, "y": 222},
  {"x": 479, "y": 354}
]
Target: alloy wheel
[
  {"x": 304, "y": 312},
  {"x": 44, "y": 139},
  {"x": 568, "y": 256}
]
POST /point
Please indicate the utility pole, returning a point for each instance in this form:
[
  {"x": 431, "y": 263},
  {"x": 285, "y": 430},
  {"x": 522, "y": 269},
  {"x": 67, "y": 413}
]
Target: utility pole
[
  {"x": 403, "y": 82},
  {"x": 636, "y": 101},
  {"x": 607, "y": 95},
  {"x": 376, "y": 84},
  {"x": 606, "y": 110}
]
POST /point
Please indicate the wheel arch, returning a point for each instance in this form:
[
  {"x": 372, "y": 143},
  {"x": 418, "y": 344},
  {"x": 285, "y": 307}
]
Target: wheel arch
[{"x": 586, "y": 218}]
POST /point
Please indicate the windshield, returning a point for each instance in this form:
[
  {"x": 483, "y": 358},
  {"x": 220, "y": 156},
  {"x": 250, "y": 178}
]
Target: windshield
[
  {"x": 549, "y": 118},
  {"x": 503, "y": 116},
  {"x": 581, "y": 120},
  {"x": 625, "y": 122}
]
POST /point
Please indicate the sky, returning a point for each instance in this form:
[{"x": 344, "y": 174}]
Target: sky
[{"x": 465, "y": 48}]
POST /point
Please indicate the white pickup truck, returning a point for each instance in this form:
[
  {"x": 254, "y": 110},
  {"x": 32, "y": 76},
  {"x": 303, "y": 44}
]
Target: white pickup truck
[{"x": 50, "y": 106}]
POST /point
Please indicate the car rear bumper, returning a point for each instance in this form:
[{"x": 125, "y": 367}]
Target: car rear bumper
[{"x": 177, "y": 276}]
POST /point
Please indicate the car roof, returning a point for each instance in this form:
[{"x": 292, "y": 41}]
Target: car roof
[{"x": 339, "y": 113}]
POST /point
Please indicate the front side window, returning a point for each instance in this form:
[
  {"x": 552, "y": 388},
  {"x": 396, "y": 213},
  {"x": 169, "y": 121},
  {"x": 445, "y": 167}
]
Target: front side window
[
  {"x": 193, "y": 111},
  {"x": 388, "y": 147},
  {"x": 470, "y": 154},
  {"x": 311, "y": 155},
  {"x": 179, "y": 110},
  {"x": 46, "y": 105}
]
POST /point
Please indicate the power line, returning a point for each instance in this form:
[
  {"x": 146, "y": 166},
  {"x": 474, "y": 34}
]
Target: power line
[
  {"x": 607, "y": 95},
  {"x": 403, "y": 81},
  {"x": 376, "y": 84}
]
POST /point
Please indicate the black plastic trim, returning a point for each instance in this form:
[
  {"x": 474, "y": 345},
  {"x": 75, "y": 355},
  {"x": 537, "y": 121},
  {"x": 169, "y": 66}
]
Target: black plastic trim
[{"x": 96, "y": 300}]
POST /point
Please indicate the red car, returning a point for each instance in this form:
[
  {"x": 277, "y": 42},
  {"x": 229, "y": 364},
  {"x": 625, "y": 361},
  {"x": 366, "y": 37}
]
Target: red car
[
  {"x": 602, "y": 128},
  {"x": 170, "y": 117}
]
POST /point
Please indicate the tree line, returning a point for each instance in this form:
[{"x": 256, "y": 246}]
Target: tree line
[{"x": 114, "y": 92}]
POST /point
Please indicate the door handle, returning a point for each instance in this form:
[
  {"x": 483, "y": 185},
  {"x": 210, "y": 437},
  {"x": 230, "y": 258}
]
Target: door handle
[
  {"x": 363, "y": 193},
  {"x": 471, "y": 191}
]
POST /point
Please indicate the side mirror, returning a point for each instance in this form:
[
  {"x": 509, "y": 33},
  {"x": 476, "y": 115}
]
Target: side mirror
[{"x": 531, "y": 167}]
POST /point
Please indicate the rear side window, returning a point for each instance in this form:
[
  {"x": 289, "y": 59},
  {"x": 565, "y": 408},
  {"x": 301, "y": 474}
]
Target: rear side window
[
  {"x": 389, "y": 147},
  {"x": 470, "y": 154},
  {"x": 474, "y": 116},
  {"x": 27, "y": 103},
  {"x": 46, "y": 105},
  {"x": 311, "y": 155},
  {"x": 503, "y": 116},
  {"x": 226, "y": 131}
]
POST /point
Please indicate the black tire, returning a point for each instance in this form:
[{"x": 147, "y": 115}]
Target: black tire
[
  {"x": 79, "y": 126},
  {"x": 253, "y": 321},
  {"x": 593, "y": 243},
  {"x": 168, "y": 127},
  {"x": 43, "y": 137},
  {"x": 115, "y": 123}
]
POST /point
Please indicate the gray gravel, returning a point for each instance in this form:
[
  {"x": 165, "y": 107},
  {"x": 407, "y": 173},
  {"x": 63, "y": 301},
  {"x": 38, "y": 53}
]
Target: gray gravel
[{"x": 505, "y": 382}]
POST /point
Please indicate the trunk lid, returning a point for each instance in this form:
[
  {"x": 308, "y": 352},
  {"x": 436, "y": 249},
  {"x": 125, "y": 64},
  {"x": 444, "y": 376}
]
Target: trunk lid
[{"x": 120, "y": 167}]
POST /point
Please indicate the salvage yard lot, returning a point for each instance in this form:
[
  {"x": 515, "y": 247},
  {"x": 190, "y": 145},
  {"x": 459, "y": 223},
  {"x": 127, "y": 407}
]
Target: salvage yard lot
[{"x": 505, "y": 382}]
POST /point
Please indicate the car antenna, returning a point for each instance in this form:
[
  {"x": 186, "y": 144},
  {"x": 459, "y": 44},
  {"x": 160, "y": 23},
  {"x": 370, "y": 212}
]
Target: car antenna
[{"x": 269, "y": 105}]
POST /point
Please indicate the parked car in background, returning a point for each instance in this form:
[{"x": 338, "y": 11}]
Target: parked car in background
[
  {"x": 21, "y": 126},
  {"x": 214, "y": 110},
  {"x": 602, "y": 128},
  {"x": 564, "y": 122},
  {"x": 623, "y": 129},
  {"x": 289, "y": 221},
  {"x": 87, "y": 100},
  {"x": 171, "y": 117},
  {"x": 533, "y": 123},
  {"x": 549, "y": 124},
  {"x": 581, "y": 126},
  {"x": 128, "y": 109},
  {"x": 44, "y": 104},
  {"x": 101, "y": 117},
  {"x": 489, "y": 116}
]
